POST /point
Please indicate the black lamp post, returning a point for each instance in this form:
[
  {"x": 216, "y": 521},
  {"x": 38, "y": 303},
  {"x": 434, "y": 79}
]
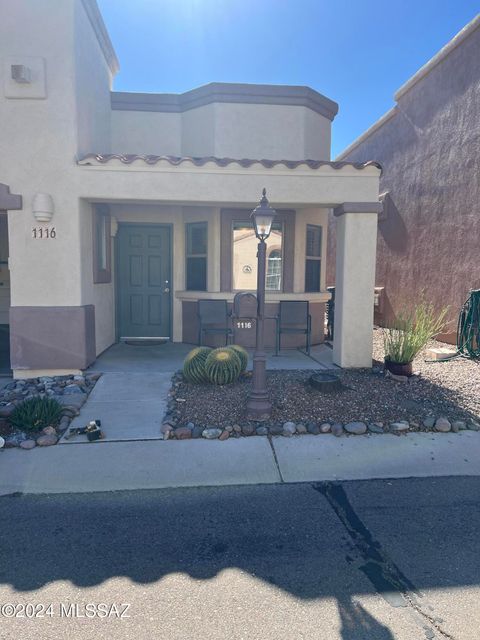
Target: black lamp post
[{"x": 258, "y": 405}]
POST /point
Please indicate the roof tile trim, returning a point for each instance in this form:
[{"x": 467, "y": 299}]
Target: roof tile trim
[{"x": 97, "y": 158}]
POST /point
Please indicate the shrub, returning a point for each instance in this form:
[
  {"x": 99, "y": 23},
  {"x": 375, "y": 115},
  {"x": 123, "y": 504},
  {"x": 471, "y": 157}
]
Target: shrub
[
  {"x": 411, "y": 332},
  {"x": 34, "y": 414},
  {"x": 242, "y": 354},
  {"x": 194, "y": 365},
  {"x": 223, "y": 366}
]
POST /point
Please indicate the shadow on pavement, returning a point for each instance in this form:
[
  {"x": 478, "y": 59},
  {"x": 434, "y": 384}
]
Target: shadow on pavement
[
  {"x": 312, "y": 541},
  {"x": 355, "y": 619}
]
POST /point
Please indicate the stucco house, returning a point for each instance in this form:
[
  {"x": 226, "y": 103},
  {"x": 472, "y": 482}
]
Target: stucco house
[
  {"x": 428, "y": 145},
  {"x": 119, "y": 211}
]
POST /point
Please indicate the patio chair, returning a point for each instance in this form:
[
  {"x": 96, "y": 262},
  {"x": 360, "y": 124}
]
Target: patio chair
[
  {"x": 294, "y": 317},
  {"x": 214, "y": 319}
]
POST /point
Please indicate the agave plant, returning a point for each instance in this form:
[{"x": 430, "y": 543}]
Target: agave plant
[{"x": 34, "y": 414}]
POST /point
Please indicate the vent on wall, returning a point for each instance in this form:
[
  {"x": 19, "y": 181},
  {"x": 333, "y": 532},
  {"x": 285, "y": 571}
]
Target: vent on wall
[
  {"x": 21, "y": 73},
  {"x": 24, "y": 78}
]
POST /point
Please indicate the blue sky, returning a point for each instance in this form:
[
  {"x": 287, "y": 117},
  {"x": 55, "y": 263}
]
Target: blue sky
[{"x": 357, "y": 52}]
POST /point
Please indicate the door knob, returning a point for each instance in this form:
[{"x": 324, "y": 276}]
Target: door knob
[{"x": 166, "y": 290}]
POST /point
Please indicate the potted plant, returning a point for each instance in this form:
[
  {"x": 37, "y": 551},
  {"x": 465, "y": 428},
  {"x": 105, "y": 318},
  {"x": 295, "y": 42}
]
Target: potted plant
[{"x": 409, "y": 336}]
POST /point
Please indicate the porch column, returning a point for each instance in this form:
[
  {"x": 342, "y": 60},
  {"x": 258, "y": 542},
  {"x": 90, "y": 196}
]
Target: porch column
[{"x": 356, "y": 233}]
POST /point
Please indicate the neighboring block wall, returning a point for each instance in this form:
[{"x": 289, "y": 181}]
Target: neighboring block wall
[{"x": 430, "y": 154}]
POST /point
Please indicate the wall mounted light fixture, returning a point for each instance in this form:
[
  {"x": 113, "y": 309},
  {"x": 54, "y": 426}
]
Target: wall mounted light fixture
[{"x": 43, "y": 207}]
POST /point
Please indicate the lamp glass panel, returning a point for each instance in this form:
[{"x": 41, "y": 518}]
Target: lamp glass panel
[{"x": 263, "y": 223}]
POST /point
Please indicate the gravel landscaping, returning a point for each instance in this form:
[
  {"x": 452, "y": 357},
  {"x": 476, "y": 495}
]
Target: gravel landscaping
[
  {"x": 441, "y": 396},
  {"x": 70, "y": 391}
]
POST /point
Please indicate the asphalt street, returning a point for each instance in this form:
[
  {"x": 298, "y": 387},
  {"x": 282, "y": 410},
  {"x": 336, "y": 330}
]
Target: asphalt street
[{"x": 370, "y": 560}]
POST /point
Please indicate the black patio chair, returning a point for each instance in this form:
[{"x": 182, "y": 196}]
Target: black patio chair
[
  {"x": 213, "y": 318},
  {"x": 294, "y": 317}
]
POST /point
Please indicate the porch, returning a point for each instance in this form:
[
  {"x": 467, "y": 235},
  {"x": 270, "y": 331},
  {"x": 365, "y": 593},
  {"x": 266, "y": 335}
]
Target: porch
[
  {"x": 154, "y": 260},
  {"x": 169, "y": 357}
]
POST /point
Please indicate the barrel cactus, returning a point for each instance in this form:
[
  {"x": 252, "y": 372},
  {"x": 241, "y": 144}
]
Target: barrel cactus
[
  {"x": 194, "y": 365},
  {"x": 242, "y": 354},
  {"x": 223, "y": 366}
]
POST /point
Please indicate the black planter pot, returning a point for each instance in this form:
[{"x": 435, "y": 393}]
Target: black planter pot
[{"x": 398, "y": 369}]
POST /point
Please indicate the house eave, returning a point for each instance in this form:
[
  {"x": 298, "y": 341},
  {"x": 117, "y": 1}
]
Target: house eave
[
  {"x": 98, "y": 25},
  {"x": 224, "y": 92}
]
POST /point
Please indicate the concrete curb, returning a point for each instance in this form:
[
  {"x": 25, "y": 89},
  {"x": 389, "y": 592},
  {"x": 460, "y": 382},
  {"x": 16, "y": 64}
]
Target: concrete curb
[
  {"x": 154, "y": 464},
  {"x": 110, "y": 466}
]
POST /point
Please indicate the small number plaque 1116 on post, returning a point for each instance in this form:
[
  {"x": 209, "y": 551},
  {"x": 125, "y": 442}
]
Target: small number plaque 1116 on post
[
  {"x": 244, "y": 324},
  {"x": 43, "y": 233}
]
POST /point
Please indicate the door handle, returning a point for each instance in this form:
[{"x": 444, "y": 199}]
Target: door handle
[{"x": 166, "y": 290}]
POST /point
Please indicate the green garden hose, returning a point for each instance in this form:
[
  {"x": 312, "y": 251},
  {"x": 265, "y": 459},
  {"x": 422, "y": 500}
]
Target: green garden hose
[{"x": 468, "y": 328}]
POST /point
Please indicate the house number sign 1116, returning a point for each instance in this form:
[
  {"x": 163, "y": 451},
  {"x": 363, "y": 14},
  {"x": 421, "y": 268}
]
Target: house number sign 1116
[{"x": 41, "y": 233}]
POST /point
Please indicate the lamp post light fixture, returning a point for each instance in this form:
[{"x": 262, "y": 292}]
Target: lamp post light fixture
[{"x": 259, "y": 405}]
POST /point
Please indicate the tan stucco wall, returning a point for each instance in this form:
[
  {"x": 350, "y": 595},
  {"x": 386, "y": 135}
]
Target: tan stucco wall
[
  {"x": 93, "y": 81},
  {"x": 146, "y": 132},
  {"x": 355, "y": 272},
  {"x": 198, "y": 131},
  {"x": 211, "y": 184},
  {"x": 270, "y": 131},
  {"x": 224, "y": 130},
  {"x": 317, "y": 136},
  {"x": 37, "y": 152}
]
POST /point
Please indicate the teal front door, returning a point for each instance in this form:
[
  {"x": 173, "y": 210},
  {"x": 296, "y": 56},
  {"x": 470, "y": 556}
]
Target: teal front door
[{"x": 144, "y": 281}]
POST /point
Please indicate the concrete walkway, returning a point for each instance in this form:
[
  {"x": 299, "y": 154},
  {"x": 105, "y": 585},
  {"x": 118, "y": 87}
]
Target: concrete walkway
[
  {"x": 110, "y": 466},
  {"x": 130, "y": 397},
  {"x": 130, "y": 405}
]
